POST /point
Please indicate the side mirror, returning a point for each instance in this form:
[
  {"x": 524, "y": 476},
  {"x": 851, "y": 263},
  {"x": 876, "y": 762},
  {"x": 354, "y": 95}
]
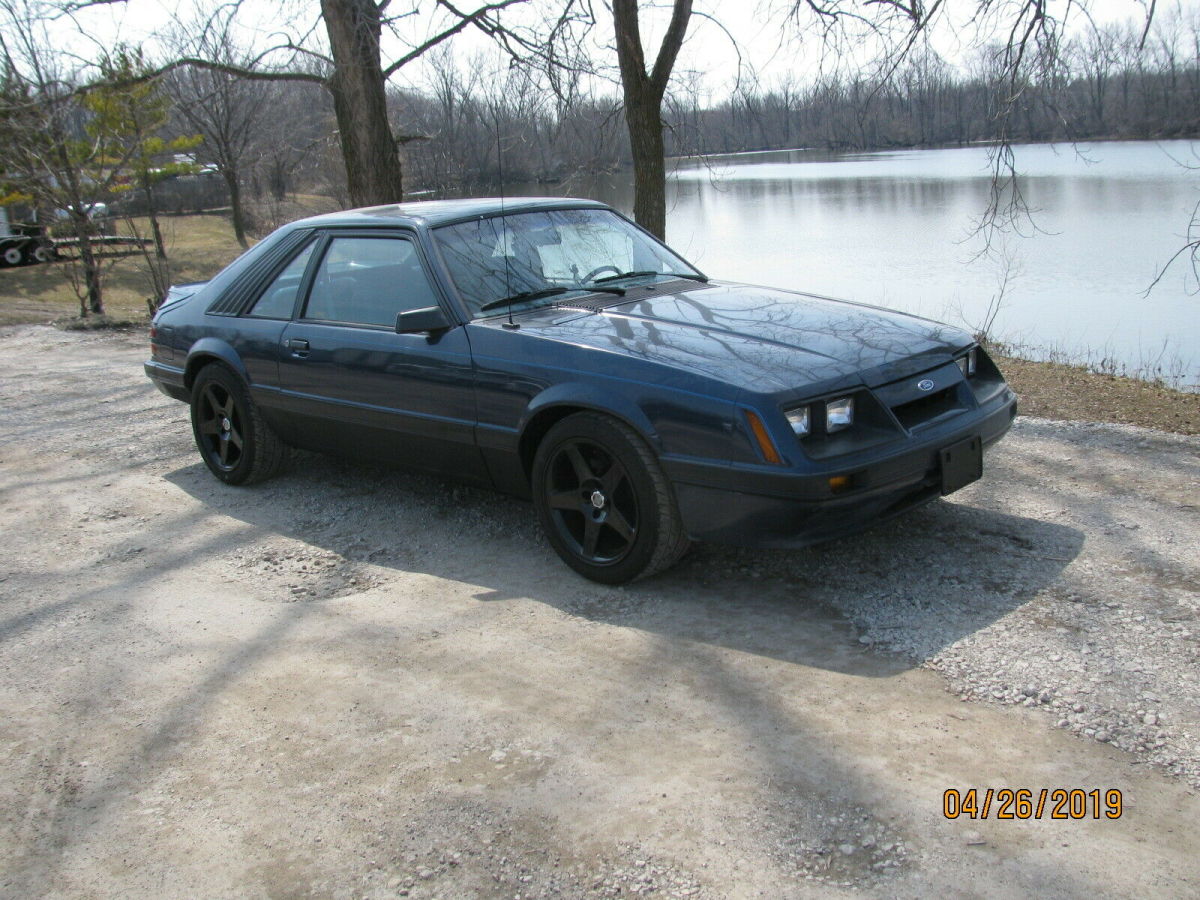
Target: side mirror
[{"x": 429, "y": 318}]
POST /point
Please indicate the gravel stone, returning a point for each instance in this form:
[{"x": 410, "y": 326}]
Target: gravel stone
[
  {"x": 1081, "y": 603},
  {"x": 308, "y": 688}
]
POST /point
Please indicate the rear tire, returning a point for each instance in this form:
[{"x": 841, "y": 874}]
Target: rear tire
[
  {"x": 13, "y": 256},
  {"x": 234, "y": 440},
  {"x": 604, "y": 502}
]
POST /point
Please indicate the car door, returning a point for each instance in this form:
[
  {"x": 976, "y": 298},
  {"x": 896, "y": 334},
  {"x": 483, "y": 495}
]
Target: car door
[{"x": 355, "y": 386}]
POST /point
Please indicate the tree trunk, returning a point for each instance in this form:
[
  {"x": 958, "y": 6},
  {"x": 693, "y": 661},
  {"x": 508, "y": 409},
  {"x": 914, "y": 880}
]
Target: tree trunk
[
  {"x": 160, "y": 247},
  {"x": 643, "y": 94},
  {"x": 649, "y": 167},
  {"x": 232, "y": 182},
  {"x": 360, "y": 102},
  {"x": 93, "y": 300}
]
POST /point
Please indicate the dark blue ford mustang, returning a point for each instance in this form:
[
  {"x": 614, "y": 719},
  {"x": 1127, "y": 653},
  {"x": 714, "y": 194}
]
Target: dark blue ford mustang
[{"x": 553, "y": 349}]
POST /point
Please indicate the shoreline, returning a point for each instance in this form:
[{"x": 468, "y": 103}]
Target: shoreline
[{"x": 1073, "y": 393}]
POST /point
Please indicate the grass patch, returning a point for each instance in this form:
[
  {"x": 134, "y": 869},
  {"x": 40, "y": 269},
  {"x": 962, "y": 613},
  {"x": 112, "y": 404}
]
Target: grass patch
[
  {"x": 99, "y": 323},
  {"x": 198, "y": 247}
]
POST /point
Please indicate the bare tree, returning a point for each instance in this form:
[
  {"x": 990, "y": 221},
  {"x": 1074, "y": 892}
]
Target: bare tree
[
  {"x": 1027, "y": 62},
  {"x": 49, "y": 153},
  {"x": 295, "y": 125},
  {"x": 643, "y": 91},
  {"x": 228, "y": 111},
  {"x": 357, "y": 78},
  {"x": 355, "y": 74}
]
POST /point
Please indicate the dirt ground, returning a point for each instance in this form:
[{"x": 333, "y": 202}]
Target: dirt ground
[{"x": 352, "y": 682}]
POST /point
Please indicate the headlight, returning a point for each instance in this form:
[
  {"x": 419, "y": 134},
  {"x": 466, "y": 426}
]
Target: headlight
[
  {"x": 839, "y": 414},
  {"x": 798, "y": 419},
  {"x": 967, "y": 363}
]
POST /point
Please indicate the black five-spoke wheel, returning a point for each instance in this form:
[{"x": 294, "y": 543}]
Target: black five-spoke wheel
[
  {"x": 234, "y": 441},
  {"x": 604, "y": 502},
  {"x": 594, "y": 505}
]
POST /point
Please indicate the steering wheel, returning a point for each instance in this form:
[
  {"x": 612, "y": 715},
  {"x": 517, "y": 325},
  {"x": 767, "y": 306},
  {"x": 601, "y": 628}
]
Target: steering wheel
[{"x": 596, "y": 271}]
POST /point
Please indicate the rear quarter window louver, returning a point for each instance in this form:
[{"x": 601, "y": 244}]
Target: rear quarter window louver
[{"x": 247, "y": 286}]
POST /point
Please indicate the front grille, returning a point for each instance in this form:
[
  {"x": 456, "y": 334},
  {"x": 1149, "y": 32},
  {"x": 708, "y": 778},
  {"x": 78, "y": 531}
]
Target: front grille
[{"x": 928, "y": 408}]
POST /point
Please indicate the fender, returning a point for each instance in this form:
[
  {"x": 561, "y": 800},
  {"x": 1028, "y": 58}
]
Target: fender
[
  {"x": 590, "y": 396},
  {"x": 508, "y": 459},
  {"x": 211, "y": 347}
]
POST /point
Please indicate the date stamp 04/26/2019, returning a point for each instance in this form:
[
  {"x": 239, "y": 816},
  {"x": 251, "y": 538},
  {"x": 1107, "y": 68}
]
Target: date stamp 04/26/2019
[{"x": 1028, "y": 803}]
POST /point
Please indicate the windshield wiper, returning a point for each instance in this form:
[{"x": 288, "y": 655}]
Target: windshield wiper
[
  {"x": 649, "y": 272},
  {"x": 547, "y": 292},
  {"x": 524, "y": 295}
]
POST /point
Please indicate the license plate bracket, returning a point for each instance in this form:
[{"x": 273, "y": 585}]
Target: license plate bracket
[{"x": 962, "y": 463}]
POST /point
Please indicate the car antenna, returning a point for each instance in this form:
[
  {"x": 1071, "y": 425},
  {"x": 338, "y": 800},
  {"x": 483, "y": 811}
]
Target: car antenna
[{"x": 504, "y": 247}]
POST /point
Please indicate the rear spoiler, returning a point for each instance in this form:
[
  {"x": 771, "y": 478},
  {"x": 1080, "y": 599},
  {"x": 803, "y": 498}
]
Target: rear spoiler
[{"x": 179, "y": 292}]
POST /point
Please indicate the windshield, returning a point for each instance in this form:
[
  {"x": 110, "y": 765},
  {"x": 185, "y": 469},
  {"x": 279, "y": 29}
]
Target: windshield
[{"x": 535, "y": 258}]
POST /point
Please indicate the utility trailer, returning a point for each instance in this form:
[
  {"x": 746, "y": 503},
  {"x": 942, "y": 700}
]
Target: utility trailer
[{"x": 21, "y": 244}]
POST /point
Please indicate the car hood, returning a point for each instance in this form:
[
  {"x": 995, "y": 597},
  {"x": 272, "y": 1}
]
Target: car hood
[{"x": 762, "y": 339}]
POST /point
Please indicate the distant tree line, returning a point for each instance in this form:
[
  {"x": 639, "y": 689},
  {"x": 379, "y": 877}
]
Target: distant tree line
[
  {"x": 1108, "y": 83},
  {"x": 1105, "y": 85}
]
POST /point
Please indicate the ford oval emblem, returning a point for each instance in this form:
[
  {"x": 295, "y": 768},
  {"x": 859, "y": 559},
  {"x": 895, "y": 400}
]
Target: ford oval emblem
[{"x": 925, "y": 384}]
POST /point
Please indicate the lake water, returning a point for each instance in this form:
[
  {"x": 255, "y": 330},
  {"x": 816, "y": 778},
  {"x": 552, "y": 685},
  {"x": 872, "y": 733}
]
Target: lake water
[{"x": 897, "y": 229}]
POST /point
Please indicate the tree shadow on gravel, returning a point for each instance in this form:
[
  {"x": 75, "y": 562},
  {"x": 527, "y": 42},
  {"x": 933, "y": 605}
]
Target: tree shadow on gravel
[{"x": 870, "y": 605}]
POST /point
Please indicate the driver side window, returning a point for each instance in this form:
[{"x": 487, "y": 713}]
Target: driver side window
[{"x": 368, "y": 281}]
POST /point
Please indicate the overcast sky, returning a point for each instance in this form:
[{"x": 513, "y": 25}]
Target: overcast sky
[{"x": 765, "y": 44}]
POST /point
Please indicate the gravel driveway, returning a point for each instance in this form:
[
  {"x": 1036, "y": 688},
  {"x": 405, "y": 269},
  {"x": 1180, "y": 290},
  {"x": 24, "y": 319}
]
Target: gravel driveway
[{"x": 355, "y": 682}]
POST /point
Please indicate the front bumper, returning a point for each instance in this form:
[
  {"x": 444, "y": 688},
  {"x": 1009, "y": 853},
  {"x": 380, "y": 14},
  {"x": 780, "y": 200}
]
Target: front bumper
[{"x": 760, "y": 506}]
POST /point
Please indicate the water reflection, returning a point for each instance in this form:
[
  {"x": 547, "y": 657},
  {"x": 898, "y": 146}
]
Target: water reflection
[{"x": 895, "y": 229}]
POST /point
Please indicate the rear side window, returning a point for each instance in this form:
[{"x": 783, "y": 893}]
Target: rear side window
[
  {"x": 368, "y": 281},
  {"x": 279, "y": 299}
]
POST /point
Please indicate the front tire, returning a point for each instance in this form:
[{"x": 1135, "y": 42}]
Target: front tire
[
  {"x": 234, "y": 440},
  {"x": 604, "y": 502}
]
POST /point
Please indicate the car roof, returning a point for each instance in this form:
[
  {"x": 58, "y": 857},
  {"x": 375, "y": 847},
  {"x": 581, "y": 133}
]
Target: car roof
[{"x": 431, "y": 213}]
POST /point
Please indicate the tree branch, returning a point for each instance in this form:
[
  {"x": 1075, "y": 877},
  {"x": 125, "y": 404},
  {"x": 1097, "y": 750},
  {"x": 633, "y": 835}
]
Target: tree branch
[
  {"x": 250, "y": 74},
  {"x": 465, "y": 19},
  {"x": 630, "y": 54},
  {"x": 672, "y": 41}
]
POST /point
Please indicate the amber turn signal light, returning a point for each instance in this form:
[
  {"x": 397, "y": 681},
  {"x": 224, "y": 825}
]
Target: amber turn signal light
[
  {"x": 770, "y": 454},
  {"x": 839, "y": 484}
]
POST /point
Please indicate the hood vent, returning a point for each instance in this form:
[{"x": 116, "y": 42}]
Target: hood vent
[{"x": 596, "y": 302}]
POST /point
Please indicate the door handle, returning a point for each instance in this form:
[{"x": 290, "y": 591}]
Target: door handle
[{"x": 298, "y": 346}]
